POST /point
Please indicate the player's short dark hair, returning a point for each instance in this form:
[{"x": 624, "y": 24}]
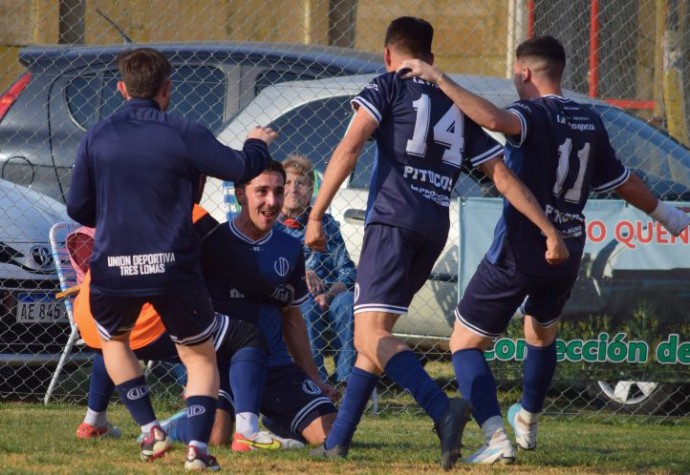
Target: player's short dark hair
[
  {"x": 548, "y": 49},
  {"x": 143, "y": 70},
  {"x": 411, "y": 35},
  {"x": 273, "y": 166}
]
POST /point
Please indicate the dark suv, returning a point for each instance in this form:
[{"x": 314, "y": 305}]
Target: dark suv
[{"x": 66, "y": 89}]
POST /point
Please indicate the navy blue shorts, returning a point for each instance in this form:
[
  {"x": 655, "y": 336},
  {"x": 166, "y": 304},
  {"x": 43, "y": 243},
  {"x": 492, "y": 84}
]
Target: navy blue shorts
[
  {"x": 291, "y": 399},
  {"x": 495, "y": 293},
  {"x": 394, "y": 264},
  {"x": 188, "y": 316}
]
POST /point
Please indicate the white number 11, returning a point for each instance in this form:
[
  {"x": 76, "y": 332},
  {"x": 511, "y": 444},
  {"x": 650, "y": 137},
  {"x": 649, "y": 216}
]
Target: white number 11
[{"x": 574, "y": 194}]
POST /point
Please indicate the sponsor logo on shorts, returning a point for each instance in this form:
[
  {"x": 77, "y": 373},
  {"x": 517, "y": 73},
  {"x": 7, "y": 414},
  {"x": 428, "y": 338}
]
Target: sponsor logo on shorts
[
  {"x": 281, "y": 266},
  {"x": 137, "y": 393},
  {"x": 310, "y": 387},
  {"x": 196, "y": 410}
]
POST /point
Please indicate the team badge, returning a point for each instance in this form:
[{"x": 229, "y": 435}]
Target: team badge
[
  {"x": 281, "y": 266},
  {"x": 310, "y": 387}
]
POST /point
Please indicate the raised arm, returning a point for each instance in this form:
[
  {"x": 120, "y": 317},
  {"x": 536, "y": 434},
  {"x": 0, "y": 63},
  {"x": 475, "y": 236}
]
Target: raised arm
[
  {"x": 517, "y": 193},
  {"x": 638, "y": 194},
  {"x": 483, "y": 112},
  {"x": 339, "y": 168}
]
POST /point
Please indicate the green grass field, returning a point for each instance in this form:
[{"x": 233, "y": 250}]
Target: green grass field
[{"x": 37, "y": 439}]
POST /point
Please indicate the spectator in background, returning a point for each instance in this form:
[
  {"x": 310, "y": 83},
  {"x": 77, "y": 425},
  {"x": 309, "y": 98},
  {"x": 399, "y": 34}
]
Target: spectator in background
[{"x": 330, "y": 274}]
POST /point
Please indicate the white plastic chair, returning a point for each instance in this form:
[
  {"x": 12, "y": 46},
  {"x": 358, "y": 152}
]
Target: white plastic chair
[{"x": 68, "y": 280}]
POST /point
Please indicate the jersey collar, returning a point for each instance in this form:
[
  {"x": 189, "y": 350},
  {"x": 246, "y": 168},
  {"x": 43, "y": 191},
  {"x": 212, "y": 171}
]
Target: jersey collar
[{"x": 240, "y": 235}]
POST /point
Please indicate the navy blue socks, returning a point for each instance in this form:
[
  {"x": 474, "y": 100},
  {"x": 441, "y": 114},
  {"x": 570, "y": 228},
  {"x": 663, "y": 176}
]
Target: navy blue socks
[
  {"x": 407, "y": 372},
  {"x": 537, "y": 373},
  {"x": 476, "y": 383},
  {"x": 359, "y": 388},
  {"x": 135, "y": 394}
]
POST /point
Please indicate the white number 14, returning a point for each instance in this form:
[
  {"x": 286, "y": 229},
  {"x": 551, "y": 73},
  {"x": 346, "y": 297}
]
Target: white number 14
[{"x": 447, "y": 132}]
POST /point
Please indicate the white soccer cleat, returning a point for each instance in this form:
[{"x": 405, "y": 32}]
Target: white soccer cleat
[
  {"x": 525, "y": 432},
  {"x": 498, "y": 450},
  {"x": 285, "y": 444}
]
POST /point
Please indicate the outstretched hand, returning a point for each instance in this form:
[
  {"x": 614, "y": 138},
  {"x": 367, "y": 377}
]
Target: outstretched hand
[
  {"x": 556, "y": 250},
  {"x": 417, "y": 68},
  {"x": 266, "y": 134}
]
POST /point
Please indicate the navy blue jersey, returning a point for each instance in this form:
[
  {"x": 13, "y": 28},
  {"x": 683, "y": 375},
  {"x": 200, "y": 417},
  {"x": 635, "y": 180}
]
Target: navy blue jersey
[
  {"x": 562, "y": 154},
  {"x": 135, "y": 178},
  {"x": 423, "y": 142},
  {"x": 275, "y": 259}
]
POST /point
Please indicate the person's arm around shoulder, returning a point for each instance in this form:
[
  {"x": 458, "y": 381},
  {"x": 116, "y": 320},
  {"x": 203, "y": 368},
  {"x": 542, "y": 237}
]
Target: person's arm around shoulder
[
  {"x": 339, "y": 168},
  {"x": 638, "y": 194},
  {"x": 517, "y": 193},
  {"x": 483, "y": 112}
]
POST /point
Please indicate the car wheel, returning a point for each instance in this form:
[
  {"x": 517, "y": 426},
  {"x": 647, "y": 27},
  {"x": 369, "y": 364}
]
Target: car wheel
[{"x": 641, "y": 397}]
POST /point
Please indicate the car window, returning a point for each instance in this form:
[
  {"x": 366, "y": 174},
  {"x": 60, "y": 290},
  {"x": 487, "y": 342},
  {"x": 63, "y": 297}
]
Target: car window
[
  {"x": 270, "y": 77},
  {"x": 81, "y": 94},
  {"x": 112, "y": 100},
  {"x": 198, "y": 93},
  {"x": 313, "y": 129},
  {"x": 660, "y": 160}
]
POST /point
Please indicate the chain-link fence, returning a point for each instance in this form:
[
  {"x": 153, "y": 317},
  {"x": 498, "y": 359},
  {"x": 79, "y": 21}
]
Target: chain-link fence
[{"x": 294, "y": 65}]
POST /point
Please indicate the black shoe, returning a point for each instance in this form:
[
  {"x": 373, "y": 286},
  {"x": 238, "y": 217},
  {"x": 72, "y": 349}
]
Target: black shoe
[
  {"x": 337, "y": 452},
  {"x": 450, "y": 429}
]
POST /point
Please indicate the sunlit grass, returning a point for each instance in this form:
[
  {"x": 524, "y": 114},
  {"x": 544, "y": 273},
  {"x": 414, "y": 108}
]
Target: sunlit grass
[{"x": 40, "y": 439}]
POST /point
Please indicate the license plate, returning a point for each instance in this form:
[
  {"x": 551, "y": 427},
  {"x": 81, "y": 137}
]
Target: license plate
[{"x": 40, "y": 308}]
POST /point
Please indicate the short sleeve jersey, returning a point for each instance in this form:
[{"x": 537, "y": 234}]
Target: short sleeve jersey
[
  {"x": 562, "y": 154},
  {"x": 423, "y": 142},
  {"x": 275, "y": 259},
  {"x": 135, "y": 178}
]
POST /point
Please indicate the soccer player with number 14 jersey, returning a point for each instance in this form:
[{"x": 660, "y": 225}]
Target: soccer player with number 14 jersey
[{"x": 423, "y": 143}]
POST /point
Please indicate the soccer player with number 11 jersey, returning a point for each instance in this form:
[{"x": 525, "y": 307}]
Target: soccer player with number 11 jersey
[{"x": 561, "y": 150}]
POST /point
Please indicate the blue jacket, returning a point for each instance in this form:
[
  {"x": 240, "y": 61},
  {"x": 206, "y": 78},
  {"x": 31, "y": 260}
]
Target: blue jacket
[
  {"x": 135, "y": 178},
  {"x": 331, "y": 266}
]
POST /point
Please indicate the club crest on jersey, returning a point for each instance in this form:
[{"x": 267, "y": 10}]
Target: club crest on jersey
[
  {"x": 281, "y": 266},
  {"x": 310, "y": 387}
]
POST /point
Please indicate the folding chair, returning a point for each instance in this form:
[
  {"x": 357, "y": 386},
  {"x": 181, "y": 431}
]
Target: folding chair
[{"x": 68, "y": 283}]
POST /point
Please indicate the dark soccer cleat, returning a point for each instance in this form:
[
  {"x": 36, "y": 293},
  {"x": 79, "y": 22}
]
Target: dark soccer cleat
[
  {"x": 450, "y": 429},
  {"x": 155, "y": 444},
  {"x": 337, "y": 452},
  {"x": 199, "y": 461}
]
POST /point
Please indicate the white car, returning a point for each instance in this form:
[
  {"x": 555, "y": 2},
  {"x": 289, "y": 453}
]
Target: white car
[
  {"x": 33, "y": 325},
  {"x": 312, "y": 117}
]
